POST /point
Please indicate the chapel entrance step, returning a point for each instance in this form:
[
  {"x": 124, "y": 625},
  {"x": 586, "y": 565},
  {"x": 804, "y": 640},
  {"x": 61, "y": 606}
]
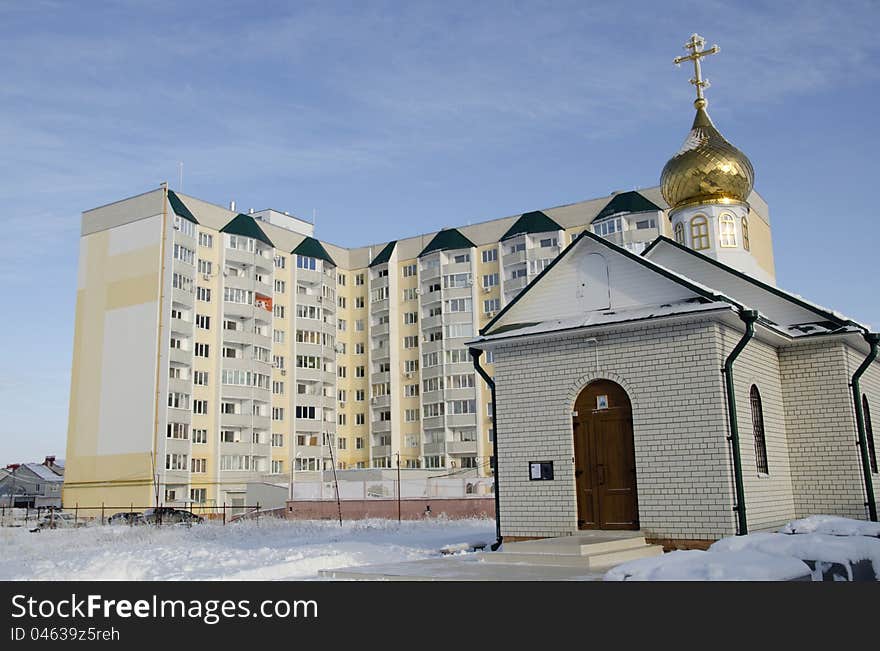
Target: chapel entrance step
[{"x": 589, "y": 550}]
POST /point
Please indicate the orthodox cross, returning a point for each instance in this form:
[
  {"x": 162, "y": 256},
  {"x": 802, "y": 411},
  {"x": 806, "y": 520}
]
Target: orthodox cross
[{"x": 694, "y": 45}]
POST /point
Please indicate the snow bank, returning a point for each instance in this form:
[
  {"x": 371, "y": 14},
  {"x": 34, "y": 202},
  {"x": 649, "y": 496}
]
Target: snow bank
[
  {"x": 833, "y": 525},
  {"x": 695, "y": 565},
  {"x": 267, "y": 549},
  {"x": 821, "y": 548}
]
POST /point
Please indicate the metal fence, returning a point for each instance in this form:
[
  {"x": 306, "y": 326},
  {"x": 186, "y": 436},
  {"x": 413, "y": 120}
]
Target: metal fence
[{"x": 79, "y": 515}]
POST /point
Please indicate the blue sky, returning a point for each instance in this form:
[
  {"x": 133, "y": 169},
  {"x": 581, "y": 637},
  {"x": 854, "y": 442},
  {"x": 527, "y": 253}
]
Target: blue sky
[{"x": 389, "y": 119}]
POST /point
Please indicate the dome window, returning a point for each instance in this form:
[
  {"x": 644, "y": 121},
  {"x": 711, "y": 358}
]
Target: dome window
[
  {"x": 678, "y": 232},
  {"x": 727, "y": 231},
  {"x": 700, "y": 233}
]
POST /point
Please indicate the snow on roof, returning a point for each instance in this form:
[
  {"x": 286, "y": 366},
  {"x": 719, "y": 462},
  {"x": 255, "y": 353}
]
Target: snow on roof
[
  {"x": 607, "y": 317},
  {"x": 696, "y": 565},
  {"x": 43, "y": 472},
  {"x": 833, "y": 525},
  {"x": 846, "y": 550}
]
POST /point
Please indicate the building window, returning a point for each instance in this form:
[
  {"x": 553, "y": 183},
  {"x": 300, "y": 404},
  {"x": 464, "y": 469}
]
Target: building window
[
  {"x": 869, "y": 433},
  {"x": 203, "y": 294},
  {"x": 758, "y": 427},
  {"x": 409, "y": 270},
  {"x": 745, "y": 230},
  {"x": 727, "y": 231},
  {"x": 678, "y": 233},
  {"x": 359, "y": 443},
  {"x": 198, "y": 495},
  {"x": 699, "y": 233},
  {"x": 359, "y": 279},
  {"x": 490, "y": 255},
  {"x": 206, "y": 240}
]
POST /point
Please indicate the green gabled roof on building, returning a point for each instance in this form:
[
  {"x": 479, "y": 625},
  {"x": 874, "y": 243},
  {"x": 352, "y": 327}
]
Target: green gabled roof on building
[
  {"x": 312, "y": 248},
  {"x": 627, "y": 202},
  {"x": 246, "y": 226},
  {"x": 180, "y": 208},
  {"x": 385, "y": 254},
  {"x": 531, "y": 222},
  {"x": 447, "y": 240}
]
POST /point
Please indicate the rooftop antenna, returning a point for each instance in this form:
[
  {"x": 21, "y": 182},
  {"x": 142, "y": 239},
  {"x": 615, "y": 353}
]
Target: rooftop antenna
[
  {"x": 180, "y": 176},
  {"x": 314, "y": 215}
]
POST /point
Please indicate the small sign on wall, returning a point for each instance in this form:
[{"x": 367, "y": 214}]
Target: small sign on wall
[{"x": 540, "y": 470}]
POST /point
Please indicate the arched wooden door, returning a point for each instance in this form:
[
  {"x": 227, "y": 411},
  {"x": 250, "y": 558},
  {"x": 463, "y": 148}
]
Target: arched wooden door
[{"x": 605, "y": 460}]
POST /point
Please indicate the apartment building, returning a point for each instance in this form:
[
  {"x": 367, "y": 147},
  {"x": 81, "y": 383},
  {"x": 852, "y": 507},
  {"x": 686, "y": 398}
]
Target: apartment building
[{"x": 213, "y": 348}]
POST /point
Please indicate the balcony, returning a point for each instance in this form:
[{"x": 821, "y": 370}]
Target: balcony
[
  {"x": 379, "y": 330},
  {"x": 380, "y": 353},
  {"x": 180, "y": 356},
  {"x": 309, "y": 374},
  {"x": 457, "y": 268},
  {"x": 461, "y": 420},
  {"x": 429, "y": 273},
  {"x": 381, "y": 450},
  {"x": 435, "y": 448},
  {"x": 433, "y": 422},
  {"x": 461, "y": 447},
  {"x": 239, "y": 421},
  {"x": 238, "y": 392},
  {"x": 380, "y": 376},
  {"x": 242, "y": 336},
  {"x": 515, "y": 284},
  {"x": 430, "y": 397},
  {"x": 238, "y": 310},
  {"x": 182, "y": 297},
  {"x": 239, "y": 257},
  {"x": 430, "y": 322},
  {"x": 432, "y": 346},
  {"x": 514, "y": 258},
  {"x": 380, "y": 401},
  {"x": 379, "y": 283},
  {"x": 239, "y": 282},
  {"x": 181, "y": 326},
  {"x": 179, "y": 386},
  {"x": 468, "y": 393},
  {"x": 429, "y": 298},
  {"x": 308, "y": 277},
  {"x": 379, "y": 426}
]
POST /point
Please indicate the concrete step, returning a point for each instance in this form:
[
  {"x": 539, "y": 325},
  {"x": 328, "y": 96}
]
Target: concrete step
[
  {"x": 576, "y": 545},
  {"x": 624, "y": 555}
]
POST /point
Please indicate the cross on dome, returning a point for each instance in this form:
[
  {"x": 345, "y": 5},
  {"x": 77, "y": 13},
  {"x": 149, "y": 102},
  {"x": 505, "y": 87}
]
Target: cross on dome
[{"x": 694, "y": 44}]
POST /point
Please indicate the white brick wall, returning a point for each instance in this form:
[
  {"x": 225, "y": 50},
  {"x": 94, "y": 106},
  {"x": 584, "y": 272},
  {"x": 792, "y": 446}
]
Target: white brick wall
[
  {"x": 870, "y": 386},
  {"x": 672, "y": 375},
  {"x": 826, "y": 475},
  {"x": 769, "y": 500}
]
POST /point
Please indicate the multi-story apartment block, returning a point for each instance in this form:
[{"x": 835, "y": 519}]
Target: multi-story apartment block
[{"x": 214, "y": 348}]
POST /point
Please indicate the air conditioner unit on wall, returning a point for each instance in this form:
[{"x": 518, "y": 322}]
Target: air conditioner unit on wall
[
  {"x": 206, "y": 276},
  {"x": 486, "y": 290},
  {"x": 490, "y": 314}
]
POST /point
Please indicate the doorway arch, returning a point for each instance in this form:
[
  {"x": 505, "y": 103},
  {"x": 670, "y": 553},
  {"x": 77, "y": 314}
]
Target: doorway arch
[{"x": 605, "y": 461}]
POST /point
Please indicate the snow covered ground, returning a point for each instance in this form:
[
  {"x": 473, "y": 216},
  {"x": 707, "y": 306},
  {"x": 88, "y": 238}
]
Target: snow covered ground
[
  {"x": 821, "y": 547},
  {"x": 259, "y": 550}
]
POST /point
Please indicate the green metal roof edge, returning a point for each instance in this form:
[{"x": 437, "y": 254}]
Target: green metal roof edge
[
  {"x": 484, "y": 331},
  {"x": 635, "y": 202},
  {"x": 781, "y": 293},
  {"x": 246, "y": 226},
  {"x": 180, "y": 208},
  {"x": 385, "y": 254},
  {"x": 314, "y": 249},
  {"x": 531, "y": 222},
  {"x": 447, "y": 239}
]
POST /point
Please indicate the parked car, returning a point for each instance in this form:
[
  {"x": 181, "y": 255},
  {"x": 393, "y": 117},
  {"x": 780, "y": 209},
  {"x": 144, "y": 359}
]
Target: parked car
[
  {"x": 171, "y": 515},
  {"x": 58, "y": 520},
  {"x": 127, "y": 517}
]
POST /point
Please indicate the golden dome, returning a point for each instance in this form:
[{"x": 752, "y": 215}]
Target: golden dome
[{"x": 707, "y": 168}]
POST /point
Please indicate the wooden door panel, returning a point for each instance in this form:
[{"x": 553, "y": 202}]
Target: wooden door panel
[{"x": 605, "y": 460}]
